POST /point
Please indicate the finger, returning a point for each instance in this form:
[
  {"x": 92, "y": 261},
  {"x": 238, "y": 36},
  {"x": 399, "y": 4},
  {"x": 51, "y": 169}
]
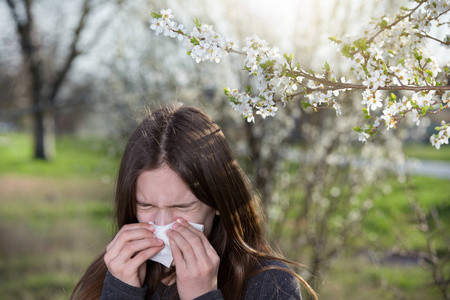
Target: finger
[
  {"x": 129, "y": 261},
  {"x": 183, "y": 245},
  {"x": 128, "y": 234},
  {"x": 127, "y": 237},
  {"x": 196, "y": 238},
  {"x": 126, "y": 270},
  {"x": 203, "y": 250},
  {"x": 128, "y": 227},
  {"x": 177, "y": 255},
  {"x": 141, "y": 257},
  {"x": 132, "y": 249}
]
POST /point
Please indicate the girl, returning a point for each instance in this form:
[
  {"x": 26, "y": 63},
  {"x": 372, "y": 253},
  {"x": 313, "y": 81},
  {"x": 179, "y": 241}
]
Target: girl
[{"x": 177, "y": 167}]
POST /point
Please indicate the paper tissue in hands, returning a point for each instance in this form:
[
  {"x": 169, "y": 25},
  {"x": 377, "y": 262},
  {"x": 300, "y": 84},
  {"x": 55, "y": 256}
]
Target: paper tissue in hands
[{"x": 164, "y": 256}]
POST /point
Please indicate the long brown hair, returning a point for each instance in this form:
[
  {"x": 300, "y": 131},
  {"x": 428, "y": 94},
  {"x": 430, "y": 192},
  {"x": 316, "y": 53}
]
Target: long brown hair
[{"x": 191, "y": 144}]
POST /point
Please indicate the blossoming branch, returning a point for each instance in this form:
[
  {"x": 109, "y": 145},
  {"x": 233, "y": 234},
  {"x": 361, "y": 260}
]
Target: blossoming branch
[{"x": 390, "y": 56}]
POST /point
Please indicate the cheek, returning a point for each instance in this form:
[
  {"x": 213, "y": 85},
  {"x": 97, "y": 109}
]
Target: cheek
[{"x": 145, "y": 216}]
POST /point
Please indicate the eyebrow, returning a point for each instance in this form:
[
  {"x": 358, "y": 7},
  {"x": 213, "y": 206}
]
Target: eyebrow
[{"x": 181, "y": 205}]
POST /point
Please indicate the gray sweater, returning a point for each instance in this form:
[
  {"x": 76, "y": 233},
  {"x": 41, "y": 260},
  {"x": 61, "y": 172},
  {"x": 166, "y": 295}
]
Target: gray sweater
[{"x": 269, "y": 284}]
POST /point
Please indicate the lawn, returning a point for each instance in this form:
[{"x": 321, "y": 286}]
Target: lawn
[
  {"x": 55, "y": 217},
  {"x": 74, "y": 158},
  {"x": 428, "y": 152},
  {"x": 50, "y": 229}
]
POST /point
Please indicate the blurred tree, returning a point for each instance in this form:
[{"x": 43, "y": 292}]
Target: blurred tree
[
  {"x": 316, "y": 182},
  {"x": 46, "y": 71}
]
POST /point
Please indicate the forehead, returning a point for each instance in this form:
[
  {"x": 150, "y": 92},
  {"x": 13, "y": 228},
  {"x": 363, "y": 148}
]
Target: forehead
[{"x": 162, "y": 187}]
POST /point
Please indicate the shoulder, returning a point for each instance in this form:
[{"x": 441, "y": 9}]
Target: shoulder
[{"x": 271, "y": 280}]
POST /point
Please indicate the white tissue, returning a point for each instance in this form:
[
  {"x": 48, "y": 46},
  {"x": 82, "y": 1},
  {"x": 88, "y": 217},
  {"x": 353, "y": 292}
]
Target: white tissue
[{"x": 164, "y": 256}]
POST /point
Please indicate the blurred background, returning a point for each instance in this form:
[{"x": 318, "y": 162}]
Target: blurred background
[{"x": 367, "y": 220}]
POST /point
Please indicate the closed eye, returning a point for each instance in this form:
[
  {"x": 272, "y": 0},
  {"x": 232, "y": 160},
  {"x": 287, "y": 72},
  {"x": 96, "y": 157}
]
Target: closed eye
[
  {"x": 143, "y": 205},
  {"x": 183, "y": 207},
  {"x": 186, "y": 206}
]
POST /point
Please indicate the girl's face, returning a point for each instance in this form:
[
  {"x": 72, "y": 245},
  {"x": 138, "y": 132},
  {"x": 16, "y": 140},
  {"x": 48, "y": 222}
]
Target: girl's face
[{"x": 162, "y": 197}]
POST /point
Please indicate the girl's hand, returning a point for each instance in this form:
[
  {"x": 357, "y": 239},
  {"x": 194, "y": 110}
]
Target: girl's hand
[
  {"x": 128, "y": 252},
  {"x": 196, "y": 261}
]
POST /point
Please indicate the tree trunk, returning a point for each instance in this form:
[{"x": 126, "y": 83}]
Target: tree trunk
[{"x": 44, "y": 135}]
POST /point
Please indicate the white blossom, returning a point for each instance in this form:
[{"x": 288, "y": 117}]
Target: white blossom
[
  {"x": 442, "y": 136},
  {"x": 416, "y": 117},
  {"x": 402, "y": 76},
  {"x": 372, "y": 99},
  {"x": 363, "y": 136}
]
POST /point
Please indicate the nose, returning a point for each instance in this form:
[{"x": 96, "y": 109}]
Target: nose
[{"x": 163, "y": 217}]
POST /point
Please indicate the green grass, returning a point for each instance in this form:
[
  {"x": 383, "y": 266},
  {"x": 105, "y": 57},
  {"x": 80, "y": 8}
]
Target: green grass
[
  {"x": 426, "y": 151},
  {"x": 51, "y": 229},
  {"x": 74, "y": 157},
  {"x": 55, "y": 216},
  {"x": 51, "y": 285},
  {"x": 358, "y": 278},
  {"x": 392, "y": 221}
]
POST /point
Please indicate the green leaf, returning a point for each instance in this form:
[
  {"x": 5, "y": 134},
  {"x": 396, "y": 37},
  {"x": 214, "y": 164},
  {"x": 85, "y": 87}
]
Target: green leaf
[
  {"x": 197, "y": 22},
  {"x": 156, "y": 15},
  {"x": 361, "y": 44},
  {"x": 305, "y": 104},
  {"x": 393, "y": 97},
  {"x": 424, "y": 110},
  {"x": 417, "y": 56},
  {"x": 226, "y": 91},
  {"x": 347, "y": 50},
  {"x": 270, "y": 63},
  {"x": 327, "y": 66},
  {"x": 194, "y": 41},
  {"x": 283, "y": 71},
  {"x": 288, "y": 58},
  {"x": 383, "y": 24},
  {"x": 366, "y": 114},
  {"x": 357, "y": 129},
  {"x": 335, "y": 39},
  {"x": 248, "y": 89}
]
